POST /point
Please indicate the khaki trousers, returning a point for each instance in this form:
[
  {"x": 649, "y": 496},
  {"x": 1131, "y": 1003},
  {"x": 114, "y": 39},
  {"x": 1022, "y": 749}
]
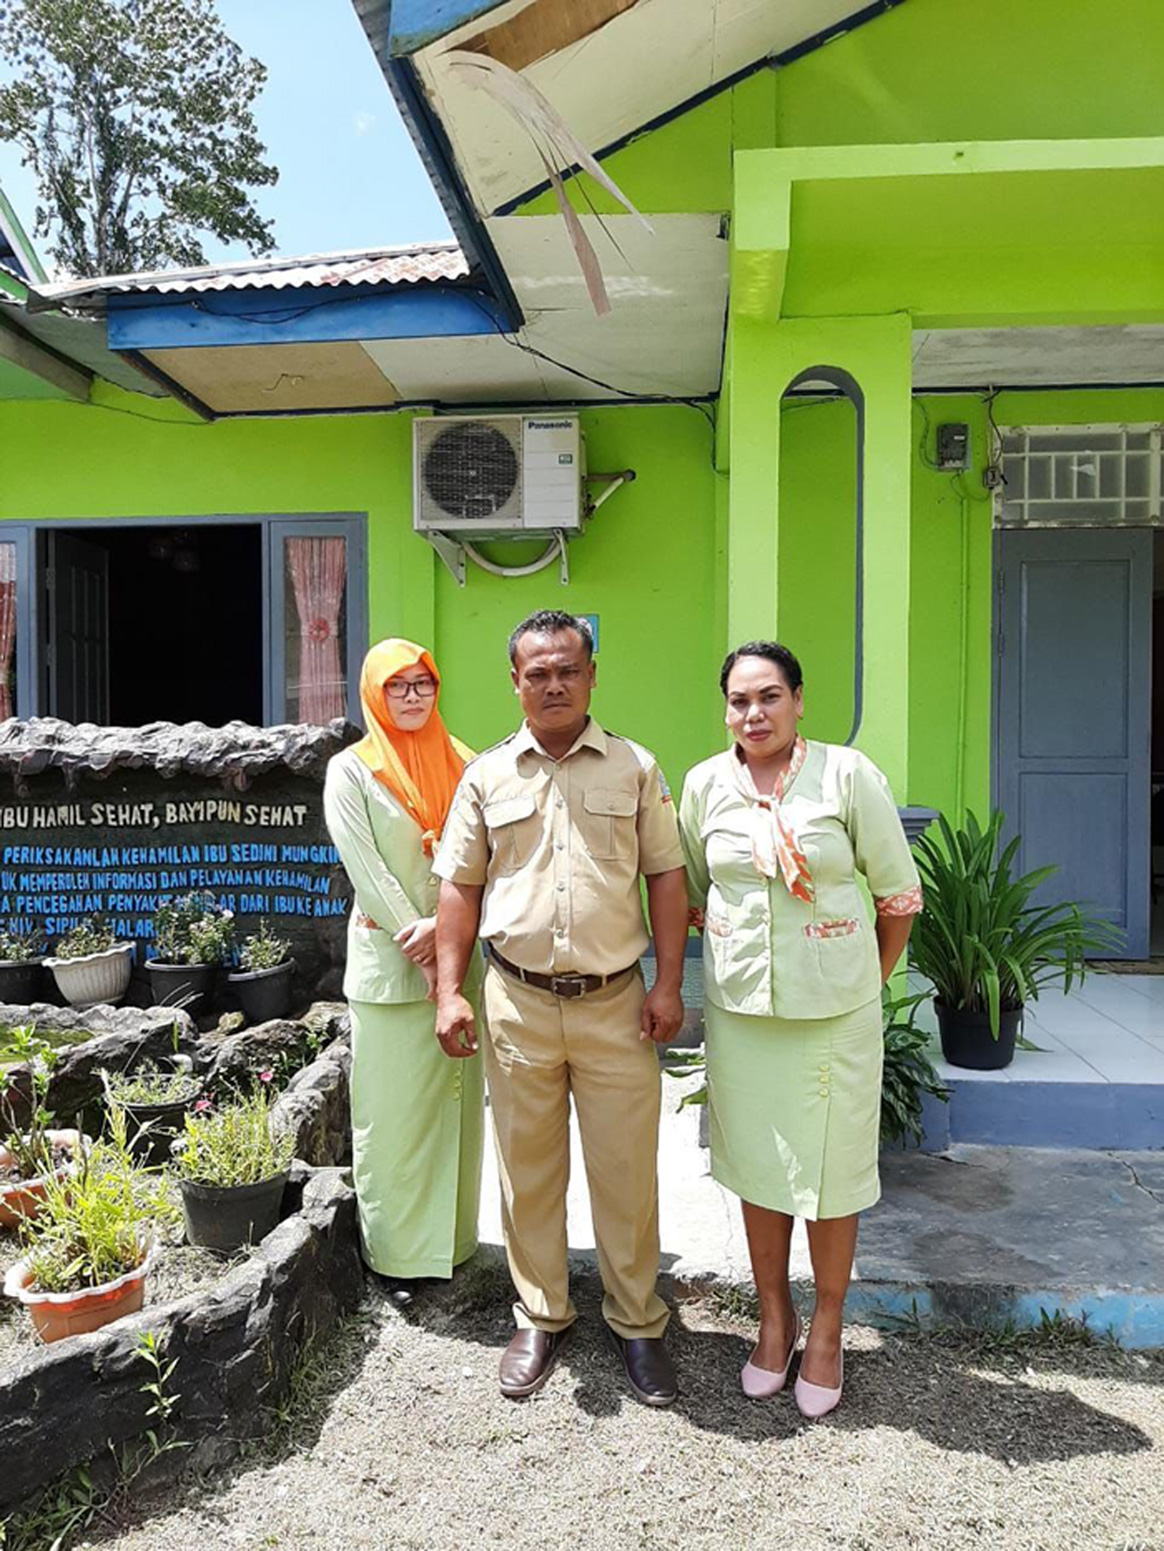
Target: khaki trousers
[{"x": 539, "y": 1049}]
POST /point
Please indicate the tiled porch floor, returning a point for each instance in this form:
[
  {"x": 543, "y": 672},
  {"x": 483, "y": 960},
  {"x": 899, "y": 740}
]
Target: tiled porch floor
[{"x": 1109, "y": 1030}]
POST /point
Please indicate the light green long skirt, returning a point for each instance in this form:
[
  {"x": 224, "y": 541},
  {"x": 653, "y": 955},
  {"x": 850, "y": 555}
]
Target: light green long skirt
[
  {"x": 417, "y": 1132},
  {"x": 795, "y": 1109}
]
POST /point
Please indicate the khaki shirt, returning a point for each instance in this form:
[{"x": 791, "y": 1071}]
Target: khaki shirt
[
  {"x": 559, "y": 846},
  {"x": 380, "y": 847},
  {"x": 764, "y": 951}
]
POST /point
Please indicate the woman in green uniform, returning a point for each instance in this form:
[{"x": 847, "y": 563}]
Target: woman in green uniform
[
  {"x": 775, "y": 831},
  {"x": 417, "y": 1117}
]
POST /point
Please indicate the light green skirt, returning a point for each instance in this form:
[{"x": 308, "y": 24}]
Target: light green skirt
[
  {"x": 795, "y": 1109},
  {"x": 417, "y": 1131}
]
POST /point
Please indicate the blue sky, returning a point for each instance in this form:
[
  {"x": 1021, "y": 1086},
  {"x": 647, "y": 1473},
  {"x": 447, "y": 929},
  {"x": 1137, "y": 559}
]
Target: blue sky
[{"x": 349, "y": 176}]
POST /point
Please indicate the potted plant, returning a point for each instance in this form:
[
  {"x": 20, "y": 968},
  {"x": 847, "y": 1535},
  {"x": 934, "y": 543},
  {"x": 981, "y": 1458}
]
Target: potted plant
[
  {"x": 33, "y": 1152},
  {"x": 193, "y": 938},
  {"x": 90, "y": 965},
  {"x": 985, "y": 947},
  {"x": 231, "y": 1172},
  {"x": 90, "y": 1248},
  {"x": 907, "y": 1073},
  {"x": 156, "y": 1101},
  {"x": 263, "y": 981},
  {"x": 21, "y": 965}
]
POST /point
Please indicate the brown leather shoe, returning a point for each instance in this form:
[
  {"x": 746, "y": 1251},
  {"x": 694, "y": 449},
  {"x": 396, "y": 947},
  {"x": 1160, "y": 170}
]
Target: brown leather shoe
[
  {"x": 528, "y": 1361},
  {"x": 649, "y": 1368}
]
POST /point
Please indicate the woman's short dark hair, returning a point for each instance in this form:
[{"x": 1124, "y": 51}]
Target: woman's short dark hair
[
  {"x": 552, "y": 622},
  {"x": 774, "y": 652}
]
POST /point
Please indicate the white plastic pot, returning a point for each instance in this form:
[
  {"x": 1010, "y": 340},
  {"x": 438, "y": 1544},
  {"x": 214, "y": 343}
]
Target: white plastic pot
[{"x": 95, "y": 977}]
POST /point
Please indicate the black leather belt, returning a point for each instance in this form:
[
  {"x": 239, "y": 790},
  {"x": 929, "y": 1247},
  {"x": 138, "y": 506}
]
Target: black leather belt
[{"x": 565, "y": 986}]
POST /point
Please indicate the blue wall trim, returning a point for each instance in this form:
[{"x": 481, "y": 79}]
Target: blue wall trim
[
  {"x": 277, "y": 318},
  {"x": 414, "y": 23}
]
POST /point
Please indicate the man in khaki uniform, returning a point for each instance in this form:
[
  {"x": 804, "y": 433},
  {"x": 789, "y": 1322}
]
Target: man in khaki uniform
[{"x": 541, "y": 857}]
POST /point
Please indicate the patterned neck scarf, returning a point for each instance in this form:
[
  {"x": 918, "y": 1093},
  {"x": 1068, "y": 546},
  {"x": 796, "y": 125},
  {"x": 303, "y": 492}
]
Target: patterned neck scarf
[{"x": 776, "y": 851}]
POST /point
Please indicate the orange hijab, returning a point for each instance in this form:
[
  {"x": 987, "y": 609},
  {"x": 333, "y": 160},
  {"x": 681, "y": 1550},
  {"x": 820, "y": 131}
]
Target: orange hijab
[{"x": 420, "y": 769}]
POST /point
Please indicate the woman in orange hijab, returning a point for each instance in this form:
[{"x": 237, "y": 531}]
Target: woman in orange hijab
[{"x": 417, "y": 1118}]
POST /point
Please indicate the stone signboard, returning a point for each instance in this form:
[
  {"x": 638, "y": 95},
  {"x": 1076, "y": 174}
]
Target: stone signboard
[{"x": 112, "y": 822}]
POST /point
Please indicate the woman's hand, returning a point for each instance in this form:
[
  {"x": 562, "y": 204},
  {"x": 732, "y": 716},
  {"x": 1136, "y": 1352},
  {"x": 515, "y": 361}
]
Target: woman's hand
[{"x": 418, "y": 941}]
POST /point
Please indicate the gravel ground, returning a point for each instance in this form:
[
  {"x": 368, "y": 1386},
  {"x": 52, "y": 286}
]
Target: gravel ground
[{"x": 397, "y": 1438}]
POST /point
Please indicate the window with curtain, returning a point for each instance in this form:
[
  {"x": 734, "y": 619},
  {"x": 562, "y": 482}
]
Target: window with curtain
[
  {"x": 7, "y": 630},
  {"x": 315, "y": 628}
]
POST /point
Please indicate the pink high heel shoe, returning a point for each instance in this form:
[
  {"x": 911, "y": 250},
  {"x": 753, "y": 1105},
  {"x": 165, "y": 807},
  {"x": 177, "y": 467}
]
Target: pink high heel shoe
[
  {"x": 760, "y": 1383},
  {"x": 817, "y": 1400}
]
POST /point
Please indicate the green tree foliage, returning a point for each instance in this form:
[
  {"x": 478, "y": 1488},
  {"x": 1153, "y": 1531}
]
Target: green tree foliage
[{"x": 136, "y": 118}]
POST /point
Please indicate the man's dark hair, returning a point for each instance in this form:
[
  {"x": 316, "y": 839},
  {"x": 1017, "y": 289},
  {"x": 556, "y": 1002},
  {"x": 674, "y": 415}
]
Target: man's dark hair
[
  {"x": 774, "y": 652},
  {"x": 551, "y": 622}
]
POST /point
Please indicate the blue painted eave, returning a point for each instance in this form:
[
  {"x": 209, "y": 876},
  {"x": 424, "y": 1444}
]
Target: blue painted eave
[
  {"x": 277, "y": 317},
  {"x": 414, "y": 24}
]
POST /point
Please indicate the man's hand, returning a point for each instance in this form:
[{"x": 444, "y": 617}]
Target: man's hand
[
  {"x": 662, "y": 1014},
  {"x": 456, "y": 1027},
  {"x": 418, "y": 941}
]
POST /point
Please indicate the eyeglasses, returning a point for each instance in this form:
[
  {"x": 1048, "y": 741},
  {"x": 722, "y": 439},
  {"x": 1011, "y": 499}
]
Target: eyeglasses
[{"x": 400, "y": 689}]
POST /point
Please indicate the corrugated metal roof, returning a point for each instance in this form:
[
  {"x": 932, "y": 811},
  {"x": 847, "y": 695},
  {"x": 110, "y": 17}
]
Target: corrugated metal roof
[{"x": 436, "y": 261}]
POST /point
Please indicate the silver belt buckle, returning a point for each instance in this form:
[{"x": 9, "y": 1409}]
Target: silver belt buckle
[{"x": 567, "y": 986}]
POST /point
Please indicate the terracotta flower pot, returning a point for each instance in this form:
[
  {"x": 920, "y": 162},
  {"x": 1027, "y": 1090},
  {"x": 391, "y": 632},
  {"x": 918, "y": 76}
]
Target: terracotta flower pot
[
  {"x": 94, "y": 978},
  {"x": 57, "y": 1315},
  {"x": 21, "y": 1200}
]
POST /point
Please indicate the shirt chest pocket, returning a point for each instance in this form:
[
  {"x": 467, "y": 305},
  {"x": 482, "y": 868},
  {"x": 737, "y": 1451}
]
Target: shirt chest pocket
[
  {"x": 513, "y": 828},
  {"x": 608, "y": 822}
]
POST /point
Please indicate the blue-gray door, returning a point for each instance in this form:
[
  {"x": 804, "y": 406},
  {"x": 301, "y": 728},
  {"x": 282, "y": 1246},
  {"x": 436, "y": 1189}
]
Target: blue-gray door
[{"x": 1073, "y": 724}]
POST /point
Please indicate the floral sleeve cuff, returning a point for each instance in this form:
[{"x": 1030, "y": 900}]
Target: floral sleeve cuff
[
  {"x": 695, "y": 917},
  {"x": 907, "y": 904}
]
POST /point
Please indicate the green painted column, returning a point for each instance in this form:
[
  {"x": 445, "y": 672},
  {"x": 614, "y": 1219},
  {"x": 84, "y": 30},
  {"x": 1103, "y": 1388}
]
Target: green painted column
[{"x": 766, "y": 356}]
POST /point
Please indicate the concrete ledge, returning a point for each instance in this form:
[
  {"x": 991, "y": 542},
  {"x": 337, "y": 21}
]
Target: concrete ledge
[{"x": 1103, "y": 1116}]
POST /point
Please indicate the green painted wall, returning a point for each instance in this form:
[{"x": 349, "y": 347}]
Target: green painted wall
[
  {"x": 646, "y": 565},
  {"x": 996, "y": 70},
  {"x": 818, "y": 463}
]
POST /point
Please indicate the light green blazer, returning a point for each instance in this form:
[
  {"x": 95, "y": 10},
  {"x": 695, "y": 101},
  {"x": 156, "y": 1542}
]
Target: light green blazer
[
  {"x": 764, "y": 951},
  {"x": 380, "y": 847}
]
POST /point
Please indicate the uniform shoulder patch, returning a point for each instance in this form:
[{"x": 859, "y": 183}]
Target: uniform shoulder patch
[{"x": 492, "y": 749}]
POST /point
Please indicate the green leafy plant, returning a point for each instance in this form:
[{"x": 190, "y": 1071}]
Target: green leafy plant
[
  {"x": 28, "y": 1142},
  {"x": 264, "y": 950},
  {"x": 21, "y": 944},
  {"x": 92, "y": 935},
  {"x": 979, "y": 940},
  {"x": 907, "y": 1074},
  {"x": 193, "y": 928},
  {"x": 233, "y": 1145},
  {"x": 90, "y": 1228},
  {"x": 150, "y": 1084}
]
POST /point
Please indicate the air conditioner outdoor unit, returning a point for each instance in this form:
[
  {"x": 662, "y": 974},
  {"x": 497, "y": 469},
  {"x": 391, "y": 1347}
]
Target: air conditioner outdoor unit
[{"x": 489, "y": 476}]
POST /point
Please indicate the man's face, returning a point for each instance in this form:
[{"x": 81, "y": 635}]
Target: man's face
[{"x": 553, "y": 679}]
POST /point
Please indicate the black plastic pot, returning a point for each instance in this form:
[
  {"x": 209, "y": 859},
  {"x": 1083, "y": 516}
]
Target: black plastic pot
[
  {"x": 226, "y": 1217},
  {"x": 967, "y": 1040},
  {"x": 23, "y": 982},
  {"x": 189, "y": 986},
  {"x": 263, "y": 993},
  {"x": 164, "y": 1122}
]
